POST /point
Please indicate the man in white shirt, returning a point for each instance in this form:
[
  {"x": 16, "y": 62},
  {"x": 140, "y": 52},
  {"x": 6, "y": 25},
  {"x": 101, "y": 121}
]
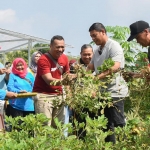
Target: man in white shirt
[{"x": 108, "y": 48}]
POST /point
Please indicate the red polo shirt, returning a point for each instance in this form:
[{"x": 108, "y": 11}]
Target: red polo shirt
[{"x": 46, "y": 65}]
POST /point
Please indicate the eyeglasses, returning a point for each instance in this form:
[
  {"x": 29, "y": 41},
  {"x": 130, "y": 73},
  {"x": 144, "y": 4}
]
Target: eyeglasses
[{"x": 100, "y": 52}]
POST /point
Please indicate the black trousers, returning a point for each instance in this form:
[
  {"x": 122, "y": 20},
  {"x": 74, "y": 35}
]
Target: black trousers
[
  {"x": 78, "y": 116},
  {"x": 15, "y": 112},
  {"x": 115, "y": 116},
  {"x": 7, "y": 110}
]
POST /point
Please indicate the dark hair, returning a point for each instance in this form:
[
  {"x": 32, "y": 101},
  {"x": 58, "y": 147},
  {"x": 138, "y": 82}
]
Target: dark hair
[
  {"x": 7, "y": 63},
  {"x": 98, "y": 27},
  {"x": 56, "y": 37},
  {"x": 85, "y": 46}
]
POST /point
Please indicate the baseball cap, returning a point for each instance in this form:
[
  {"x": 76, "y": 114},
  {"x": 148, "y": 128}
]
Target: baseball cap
[{"x": 136, "y": 28}]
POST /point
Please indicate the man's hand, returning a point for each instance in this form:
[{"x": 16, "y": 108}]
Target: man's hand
[
  {"x": 2, "y": 71},
  {"x": 67, "y": 78},
  {"x": 93, "y": 94},
  {"x": 72, "y": 76},
  {"x": 11, "y": 95},
  {"x": 135, "y": 75}
]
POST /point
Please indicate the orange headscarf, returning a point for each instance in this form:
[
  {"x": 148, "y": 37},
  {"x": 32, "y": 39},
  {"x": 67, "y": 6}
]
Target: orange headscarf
[{"x": 14, "y": 68}]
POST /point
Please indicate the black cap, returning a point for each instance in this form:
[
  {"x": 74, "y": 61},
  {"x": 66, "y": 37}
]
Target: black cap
[{"x": 136, "y": 28}]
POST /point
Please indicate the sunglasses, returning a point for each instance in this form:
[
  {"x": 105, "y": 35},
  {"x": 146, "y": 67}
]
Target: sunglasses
[{"x": 100, "y": 51}]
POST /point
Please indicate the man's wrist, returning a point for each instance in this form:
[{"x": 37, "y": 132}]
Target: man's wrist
[{"x": 99, "y": 76}]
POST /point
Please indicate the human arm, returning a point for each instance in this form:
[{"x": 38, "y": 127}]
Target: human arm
[
  {"x": 48, "y": 79},
  {"x": 7, "y": 75},
  {"x": 113, "y": 69},
  {"x": 116, "y": 56},
  {"x": 6, "y": 72},
  {"x": 135, "y": 75},
  {"x": 144, "y": 73},
  {"x": 2, "y": 71},
  {"x": 10, "y": 95},
  {"x": 49, "y": 71},
  {"x": 4, "y": 94},
  {"x": 44, "y": 69}
]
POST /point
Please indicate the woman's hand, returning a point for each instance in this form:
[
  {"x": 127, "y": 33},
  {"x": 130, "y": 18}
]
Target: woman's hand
[{"x": 11, "y": 95}]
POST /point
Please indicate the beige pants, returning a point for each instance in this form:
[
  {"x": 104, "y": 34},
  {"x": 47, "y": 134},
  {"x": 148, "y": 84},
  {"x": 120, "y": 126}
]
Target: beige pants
[
  {"x": 2, "y": 127},
  {"x": 46, "y": 104}
]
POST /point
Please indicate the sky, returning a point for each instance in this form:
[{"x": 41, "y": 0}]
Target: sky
[{"x": 69, "y": 18}]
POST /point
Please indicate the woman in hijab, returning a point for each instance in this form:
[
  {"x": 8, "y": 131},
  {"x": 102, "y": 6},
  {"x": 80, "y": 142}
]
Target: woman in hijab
[
  {"x": 34, "y": 59},
  {"x": 20, "y": 81}
]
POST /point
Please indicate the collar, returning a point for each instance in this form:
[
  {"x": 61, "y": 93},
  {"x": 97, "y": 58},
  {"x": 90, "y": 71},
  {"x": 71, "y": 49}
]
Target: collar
[{"x": 80, "y": 61}]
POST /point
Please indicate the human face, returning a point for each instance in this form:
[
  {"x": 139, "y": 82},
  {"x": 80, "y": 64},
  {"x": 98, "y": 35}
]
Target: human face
[
  {"x": 8, "y": 66},
  {"x": 57, "y": 48},
  {"x": 97, "y": 37},
  {"x": 86, "y": 55},
  {"x": 142, "y": 38},
  {"x": 20, "y": 66},
  {"x": 36, "y": 58}
]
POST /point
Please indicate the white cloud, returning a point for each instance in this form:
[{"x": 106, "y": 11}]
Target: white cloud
[
  {"x": 7, "y": 16},
  {"x": 10, "y": 21}
]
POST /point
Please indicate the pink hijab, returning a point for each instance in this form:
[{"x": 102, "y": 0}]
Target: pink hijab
[{"x": 14, "y": 68}]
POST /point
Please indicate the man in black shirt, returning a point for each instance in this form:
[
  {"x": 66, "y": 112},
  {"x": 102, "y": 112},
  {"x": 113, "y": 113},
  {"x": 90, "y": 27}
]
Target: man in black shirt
[{"x": 86, "y": 56}]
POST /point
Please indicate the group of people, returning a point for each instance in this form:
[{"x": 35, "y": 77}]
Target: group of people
[
  {"x": 18, "y": 78},
  {"x": 52, "y": 65}
]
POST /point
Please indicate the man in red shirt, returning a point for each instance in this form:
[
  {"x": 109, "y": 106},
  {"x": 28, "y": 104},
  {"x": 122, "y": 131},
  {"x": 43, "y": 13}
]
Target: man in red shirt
[{"x": 51, "y": 66}]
